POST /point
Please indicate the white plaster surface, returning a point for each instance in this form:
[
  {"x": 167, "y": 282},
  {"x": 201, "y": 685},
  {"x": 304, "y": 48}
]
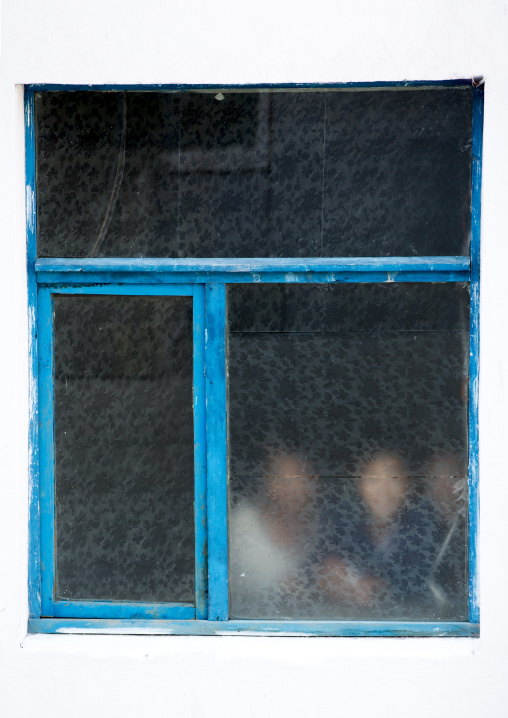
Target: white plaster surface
[{"x": 205, "y": 41}]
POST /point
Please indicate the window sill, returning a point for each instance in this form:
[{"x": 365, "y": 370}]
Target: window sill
[{"x": 252, "y": 627}]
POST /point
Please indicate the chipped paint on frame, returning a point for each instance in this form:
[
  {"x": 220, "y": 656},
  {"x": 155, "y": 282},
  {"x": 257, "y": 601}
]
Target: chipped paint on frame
[
  {"x": 34, "y": 566},
  {"x": 474, "y": 353},
  {"x": 387, "y": 629}
]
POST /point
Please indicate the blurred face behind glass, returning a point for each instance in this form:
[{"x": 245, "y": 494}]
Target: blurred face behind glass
[
  {"x": 290, "y": 482},
  {"x": 383, "y": 486}
]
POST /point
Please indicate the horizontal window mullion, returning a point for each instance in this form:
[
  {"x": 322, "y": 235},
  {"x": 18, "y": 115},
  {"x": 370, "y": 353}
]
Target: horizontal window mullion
[
  {"x": 145, "y": 272},
  {"x": 263, "y": 265}
]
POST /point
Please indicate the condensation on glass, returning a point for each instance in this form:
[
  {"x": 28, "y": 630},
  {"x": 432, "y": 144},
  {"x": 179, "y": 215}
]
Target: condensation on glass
[
  {"x": 254, "y": 174},
  {"x": 124, "y": 471},
  {"x": 348, "y": 451}
]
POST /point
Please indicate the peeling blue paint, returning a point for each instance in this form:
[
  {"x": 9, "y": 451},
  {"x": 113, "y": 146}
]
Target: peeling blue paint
[
  {"x": 387, "y": 629},
  {"x": 34, "y": 569},
  {"x": 474, "y": 351},
  {"x": 64, "y": 279},
  {"x": 256, "y": 265}
]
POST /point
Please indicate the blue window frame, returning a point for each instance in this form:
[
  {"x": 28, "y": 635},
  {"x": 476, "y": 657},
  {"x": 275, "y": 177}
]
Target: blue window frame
[{"x": 205, "y": 281}]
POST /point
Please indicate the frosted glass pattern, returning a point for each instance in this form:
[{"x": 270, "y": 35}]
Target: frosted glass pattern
[
  {"x": 254, "y": 174},
  {"x": 348, "y": 451},
  {"x": 124, "y": 448}
]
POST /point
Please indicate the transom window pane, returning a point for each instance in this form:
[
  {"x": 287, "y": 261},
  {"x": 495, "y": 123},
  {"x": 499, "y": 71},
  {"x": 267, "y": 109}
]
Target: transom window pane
[{"x": 254, "y": 174}]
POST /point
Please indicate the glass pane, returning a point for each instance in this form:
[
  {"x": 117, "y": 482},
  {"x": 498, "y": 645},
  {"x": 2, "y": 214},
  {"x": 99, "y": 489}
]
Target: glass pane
[
  {"x": 124, "y": 467},
  {"x": 348, "y": 451},
  {"x": 254, "y": 174}
]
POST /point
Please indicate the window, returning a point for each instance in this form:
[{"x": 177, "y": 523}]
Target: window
[{"x": 255, "y": 358}]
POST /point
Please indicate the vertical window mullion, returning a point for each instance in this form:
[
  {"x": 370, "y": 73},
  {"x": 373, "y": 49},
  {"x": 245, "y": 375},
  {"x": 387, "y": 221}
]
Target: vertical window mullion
[
  {"x": 216, "y": 451},
  {"x": 200, "y": 507}
]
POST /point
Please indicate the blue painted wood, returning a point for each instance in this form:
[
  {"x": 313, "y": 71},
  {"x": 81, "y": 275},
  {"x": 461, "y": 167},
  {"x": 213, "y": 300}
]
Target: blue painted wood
[
  {"x": 124, "y": 610},
  {"x": 141, "y": 275},
  {"x": 474, "y": 354},
  {"x": 216, "y": 451},
  {"x": 40, "y": 87},
  {"x": 255, "y": 628},
  {"x": 34, "y": 570},
  {"x": 200, "y": 500},
  {"x": 46, "y": 456},
  {"x": 257, "y": 265},
  {"x": 30, "y": 184},
  {"x": 55, "y": 279},
  {"x": 71, "y": 272}
]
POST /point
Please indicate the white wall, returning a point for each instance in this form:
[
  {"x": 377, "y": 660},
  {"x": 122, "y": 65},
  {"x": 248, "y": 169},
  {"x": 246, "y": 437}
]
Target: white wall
[{"x": 201, "y": 41}]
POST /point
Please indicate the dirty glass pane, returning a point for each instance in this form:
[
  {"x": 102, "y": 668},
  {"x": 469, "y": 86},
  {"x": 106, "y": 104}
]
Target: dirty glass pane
[
  {"x": 124, "y": 448},
  {"x": 254, "y": 174},
  {"x": 348, "y": 451}
]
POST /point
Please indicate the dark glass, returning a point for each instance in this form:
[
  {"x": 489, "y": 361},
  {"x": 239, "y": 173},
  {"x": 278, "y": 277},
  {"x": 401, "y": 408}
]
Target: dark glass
[
  {"x": 397, "y": 182},
  {"x": 254, "y": 174},
  {"x": 348, "y": 451},
  {"x": 124, "y": 448}
]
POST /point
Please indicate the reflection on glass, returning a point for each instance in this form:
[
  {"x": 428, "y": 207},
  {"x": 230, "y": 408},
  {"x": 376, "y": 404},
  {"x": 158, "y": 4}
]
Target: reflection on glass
[
  {"x": 348, "y": 451},
  {"x": 124, "y": 448},
  {"x": 254, "y": 174}
]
